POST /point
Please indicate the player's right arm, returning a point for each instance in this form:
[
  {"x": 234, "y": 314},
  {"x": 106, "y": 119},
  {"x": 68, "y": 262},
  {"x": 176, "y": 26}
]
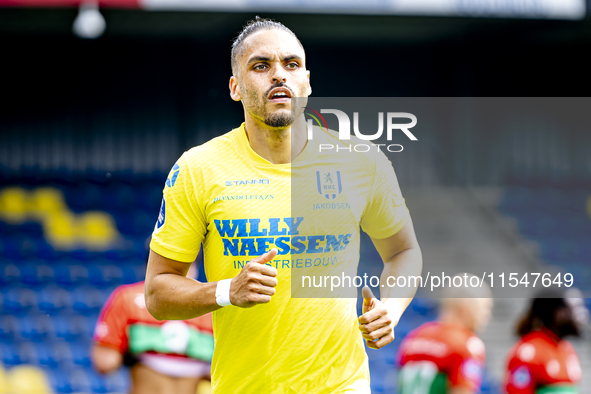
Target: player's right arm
[{"x": 170, "y": 295}]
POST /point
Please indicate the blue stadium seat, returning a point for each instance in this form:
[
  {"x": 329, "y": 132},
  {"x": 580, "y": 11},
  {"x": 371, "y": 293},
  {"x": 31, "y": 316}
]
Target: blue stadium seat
[
  {"x": 117, "y": 254},
  {"x": 88, "y": 300},
  {"x": 71, "y": 275},
  {"x": 5, "y": 228},
  {"x": 61, "y": 354},
  {"x": 18, "y": 301},
  {"x": 90, "y": 324},
  {"x": 45, "y": 251},
  {"x": 81, "y": 255},
  {"x": 61, "y": 382},
  {"x": 32, "y": 228},
  {"x": 104, "y": 275},
  {"x": 34, "y": 273},
  {"x": 17, "y": 247},
  {"x": 72, "y": 380},
  {"x": 9, "y": 331},
  {"x": 54, "y": 299},
  {"x": 36, "y": 328},
  {"x": 118, "y": 382},
  {"x": 134, "y": 273},
  {"x": 84, "y": 196},
  {"x": 45, "y": 355},
  {"x": 70, "y": 327},
  {"x": 135, "y": 223},
  {"x": 97, "y": 383},
  {"x": 149, "y": 197},
  {"x": 140, "y": 248},
  {"x": 9, "y": 354},
  {"x": 27, "y": 352},
  {"x": 9, "y": 274},
  {"x": 118, "y": 196},
  {"x": 80, "y": 353}
]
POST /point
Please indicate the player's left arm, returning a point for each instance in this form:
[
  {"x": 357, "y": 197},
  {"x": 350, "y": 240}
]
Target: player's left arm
[{"x": 402, "y": 256}]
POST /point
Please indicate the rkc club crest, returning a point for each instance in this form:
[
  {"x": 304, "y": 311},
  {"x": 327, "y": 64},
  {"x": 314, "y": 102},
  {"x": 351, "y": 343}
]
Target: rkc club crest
[{"x": 329, "y": 184}]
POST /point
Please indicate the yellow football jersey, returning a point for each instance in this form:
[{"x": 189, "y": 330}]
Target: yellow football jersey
[{"x": 239, "y": 205}]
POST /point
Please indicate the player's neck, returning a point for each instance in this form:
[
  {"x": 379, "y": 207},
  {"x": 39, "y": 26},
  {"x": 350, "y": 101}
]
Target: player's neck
[{"x": 278, "y": 146}]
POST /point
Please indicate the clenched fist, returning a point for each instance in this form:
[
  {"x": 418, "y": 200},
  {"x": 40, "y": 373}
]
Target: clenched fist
[{"x": 255, "y": 284}]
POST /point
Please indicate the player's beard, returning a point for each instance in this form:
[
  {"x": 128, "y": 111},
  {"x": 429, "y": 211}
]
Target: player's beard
[{"x": 279, "y": 119}]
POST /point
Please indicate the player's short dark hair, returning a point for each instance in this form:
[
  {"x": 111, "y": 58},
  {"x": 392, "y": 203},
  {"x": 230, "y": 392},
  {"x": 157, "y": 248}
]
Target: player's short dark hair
[{"x": 251, "y": 27}]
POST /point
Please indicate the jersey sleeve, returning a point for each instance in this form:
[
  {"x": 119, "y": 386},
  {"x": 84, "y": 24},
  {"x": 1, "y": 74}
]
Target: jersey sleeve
[
  {"x": 386, "y": 212},
  {"x": 111, "y": 327},
  {"x": 181, "y": 224}
]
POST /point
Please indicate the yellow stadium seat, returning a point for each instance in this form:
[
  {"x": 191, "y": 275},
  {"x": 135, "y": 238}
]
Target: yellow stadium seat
[
  {"x": 45, "y": 201},
  {"x": 3, "y": 381},
  {"x": 61, "y": 227},
  {"x": 61, "y": 230},
  {"x": 13, "y": 205},
  {"x": 27, "y": 379},
  {"x": 97, "y": 229}
]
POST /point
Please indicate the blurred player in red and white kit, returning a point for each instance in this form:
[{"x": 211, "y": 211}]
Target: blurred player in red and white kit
[
  {"x": 446, "y": 356},
  {"x": 165, "y": 356},
  {"x": 543, "y": 362}
]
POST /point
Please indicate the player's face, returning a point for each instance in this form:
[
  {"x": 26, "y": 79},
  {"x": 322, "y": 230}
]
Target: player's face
[{"x": 271, "y": 72}]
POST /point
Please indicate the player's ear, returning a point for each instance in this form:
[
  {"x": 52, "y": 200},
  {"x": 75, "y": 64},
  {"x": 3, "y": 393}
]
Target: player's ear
[
  {"x": 309, "y": 86},
  {"x": 235, "y": 89}
]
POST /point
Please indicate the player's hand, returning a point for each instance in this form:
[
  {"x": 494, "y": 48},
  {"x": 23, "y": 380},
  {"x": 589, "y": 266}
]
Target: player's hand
[
  {"x": 255, "y": 284},
  {"x": 375, "y": 324}
]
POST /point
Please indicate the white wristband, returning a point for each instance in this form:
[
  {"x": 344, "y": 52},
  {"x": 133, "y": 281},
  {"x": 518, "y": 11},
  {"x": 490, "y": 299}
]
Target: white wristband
[{"x": 222, "y": 292}]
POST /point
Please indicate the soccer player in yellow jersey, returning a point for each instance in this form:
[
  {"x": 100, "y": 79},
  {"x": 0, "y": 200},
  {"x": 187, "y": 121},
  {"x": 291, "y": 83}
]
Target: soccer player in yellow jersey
[{"x": 233, "y": 194}]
